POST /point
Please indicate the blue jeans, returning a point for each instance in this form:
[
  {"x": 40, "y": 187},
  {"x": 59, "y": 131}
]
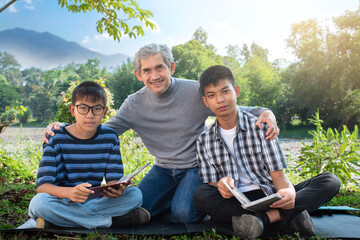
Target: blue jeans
[
  {"x": 170, "y": 189},
  {"x": 95, "y": 213}
]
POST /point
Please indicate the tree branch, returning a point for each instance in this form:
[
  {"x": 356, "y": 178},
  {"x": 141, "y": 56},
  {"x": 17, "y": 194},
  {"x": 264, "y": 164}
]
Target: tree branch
[{"x": 7, "y": 5}]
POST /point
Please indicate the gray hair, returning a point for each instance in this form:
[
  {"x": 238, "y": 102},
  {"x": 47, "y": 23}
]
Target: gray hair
[{"x": 151, "y": 49}]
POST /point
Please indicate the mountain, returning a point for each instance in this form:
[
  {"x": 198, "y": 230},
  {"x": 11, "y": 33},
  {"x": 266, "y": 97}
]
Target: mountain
[{"x": 46, "y": 50}]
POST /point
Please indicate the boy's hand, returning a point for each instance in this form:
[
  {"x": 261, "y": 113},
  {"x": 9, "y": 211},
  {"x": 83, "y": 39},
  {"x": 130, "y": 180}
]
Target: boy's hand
[
  {"x": 224, "y": 191},
  {"x": 48, "y": 131},
  {"x": 80, "y": 192},
  {"x": 288, "y": 200},
  {"x": 269, "y": 118},
  {"x": 115, "y": 193}
]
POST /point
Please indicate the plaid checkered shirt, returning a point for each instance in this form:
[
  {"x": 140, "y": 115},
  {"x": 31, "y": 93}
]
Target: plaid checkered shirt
[{"x": 255, "y": 156}]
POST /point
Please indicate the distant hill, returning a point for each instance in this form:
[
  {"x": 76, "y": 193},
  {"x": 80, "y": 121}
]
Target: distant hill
[{"x": 46, "y": 50}]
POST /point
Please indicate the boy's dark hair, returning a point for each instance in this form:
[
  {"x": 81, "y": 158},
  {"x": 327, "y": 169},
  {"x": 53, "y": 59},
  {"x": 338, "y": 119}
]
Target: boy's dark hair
[
  {"x": 91, "y": 91},
  {"x": 213, "y": 75}
]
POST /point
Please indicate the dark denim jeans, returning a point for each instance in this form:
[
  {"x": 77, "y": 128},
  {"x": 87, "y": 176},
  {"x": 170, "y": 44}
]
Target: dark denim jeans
[
  {"x": 310, "y": 195},
  {"x": 170, "y": 189}
]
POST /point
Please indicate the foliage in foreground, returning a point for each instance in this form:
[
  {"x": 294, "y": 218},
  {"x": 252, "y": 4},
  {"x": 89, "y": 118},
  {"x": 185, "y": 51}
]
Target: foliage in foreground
[{"x": 331, "y": 151}]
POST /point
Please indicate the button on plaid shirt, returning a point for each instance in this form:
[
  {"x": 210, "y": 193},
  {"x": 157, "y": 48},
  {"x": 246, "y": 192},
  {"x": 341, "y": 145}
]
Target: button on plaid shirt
[{"x": 255, "y": 156}]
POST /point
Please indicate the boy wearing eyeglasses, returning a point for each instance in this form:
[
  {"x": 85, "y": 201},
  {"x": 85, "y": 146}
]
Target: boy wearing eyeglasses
[{"x": 78, "y": 157}]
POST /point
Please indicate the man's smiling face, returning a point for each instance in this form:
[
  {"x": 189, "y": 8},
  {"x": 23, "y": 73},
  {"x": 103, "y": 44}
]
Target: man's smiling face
[{"x": 155, "y": 74}]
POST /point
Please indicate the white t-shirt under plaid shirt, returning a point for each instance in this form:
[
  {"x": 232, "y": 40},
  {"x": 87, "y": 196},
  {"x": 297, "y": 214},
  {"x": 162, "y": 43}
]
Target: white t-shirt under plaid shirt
[{"x": 255, "y": 156}]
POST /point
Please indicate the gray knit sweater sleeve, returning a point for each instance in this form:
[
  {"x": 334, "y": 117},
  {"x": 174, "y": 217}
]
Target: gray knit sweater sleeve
[{"x": 121, "y": 121}]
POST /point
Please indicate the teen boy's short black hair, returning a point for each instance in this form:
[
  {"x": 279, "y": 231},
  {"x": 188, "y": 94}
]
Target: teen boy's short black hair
[
  {"x": 213, "y": 75},
  {"x": 91, "y": 91}
]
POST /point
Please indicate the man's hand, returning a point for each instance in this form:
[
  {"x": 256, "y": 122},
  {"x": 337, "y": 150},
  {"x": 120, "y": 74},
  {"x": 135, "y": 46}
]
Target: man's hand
[
  {"x": 80, "y": 193},
  {"x": 48, "y": 131},
  {"x": 224, "y": 191},
  {"x": 288, "y": 200},
  {"x": 268, "y": 117}
]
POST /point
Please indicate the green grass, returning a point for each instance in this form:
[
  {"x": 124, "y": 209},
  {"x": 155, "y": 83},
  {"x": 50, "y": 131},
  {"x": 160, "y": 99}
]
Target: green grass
[
  {"x": 17, "y": 187},
  {"x": 32, "y": 123},
  {"x": 296, "y": 132}
]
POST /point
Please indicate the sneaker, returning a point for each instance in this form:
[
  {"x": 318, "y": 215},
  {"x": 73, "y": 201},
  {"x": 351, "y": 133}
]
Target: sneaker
[
  {"x": 135, "y": 217},
  {"x": 42, "y": 223},
  {"x": 247, "y": 226},
  {"x": 302, "y": 224}
]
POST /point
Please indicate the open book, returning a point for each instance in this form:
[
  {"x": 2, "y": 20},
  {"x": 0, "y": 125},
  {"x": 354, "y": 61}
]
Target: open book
[
  {"x": 124, "y": 179},
  {"x": 255, "y": 206}
]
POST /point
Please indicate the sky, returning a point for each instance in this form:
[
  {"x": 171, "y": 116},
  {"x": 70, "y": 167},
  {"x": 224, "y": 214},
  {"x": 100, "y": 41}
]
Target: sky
[{"x": 266, "y": 22}]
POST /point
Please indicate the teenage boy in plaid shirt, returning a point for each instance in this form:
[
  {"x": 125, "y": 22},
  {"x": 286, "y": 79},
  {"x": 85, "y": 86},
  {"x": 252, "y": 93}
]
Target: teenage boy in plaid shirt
[{"x": 235, "y": 150}]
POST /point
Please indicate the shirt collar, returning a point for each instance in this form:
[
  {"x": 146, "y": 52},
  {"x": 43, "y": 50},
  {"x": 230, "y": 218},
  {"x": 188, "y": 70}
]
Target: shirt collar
[{"x": 241, "y": 125}]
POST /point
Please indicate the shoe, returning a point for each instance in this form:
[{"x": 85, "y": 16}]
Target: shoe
[
  {"x": 247, "y": 226},
  {"x": 42, "y": 223},
  {"x": 135, "y": 217},
  {"x": 302, "y": 224}
]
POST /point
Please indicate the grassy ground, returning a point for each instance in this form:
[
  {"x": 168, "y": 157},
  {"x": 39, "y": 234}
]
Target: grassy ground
[{"x": 17, "y": 186}]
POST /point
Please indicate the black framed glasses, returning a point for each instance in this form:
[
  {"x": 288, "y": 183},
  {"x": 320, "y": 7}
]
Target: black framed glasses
[{"x": 83, "y": 109}]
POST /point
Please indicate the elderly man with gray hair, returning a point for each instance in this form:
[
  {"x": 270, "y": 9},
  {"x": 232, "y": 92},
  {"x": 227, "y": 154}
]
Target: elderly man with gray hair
[{"x": 168, "y": 114}]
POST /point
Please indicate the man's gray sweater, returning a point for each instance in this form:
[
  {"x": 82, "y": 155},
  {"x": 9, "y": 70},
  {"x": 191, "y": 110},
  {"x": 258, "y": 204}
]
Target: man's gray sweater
[{"x": 168, "y": 124}]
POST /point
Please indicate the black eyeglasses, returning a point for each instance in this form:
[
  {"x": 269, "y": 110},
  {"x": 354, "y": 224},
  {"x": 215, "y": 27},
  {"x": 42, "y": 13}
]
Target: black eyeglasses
[{"x": 83, "y": 109}]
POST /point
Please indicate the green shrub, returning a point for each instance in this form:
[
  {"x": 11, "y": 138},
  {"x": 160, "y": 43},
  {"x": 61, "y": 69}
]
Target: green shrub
[
  {"x": 9, "y": 116},
  {"x": 331, "y": 151},
  {"x": 19, "y": 166},
  {"x": 24, "y": 118},
  {"x": 134, "y": 155}
]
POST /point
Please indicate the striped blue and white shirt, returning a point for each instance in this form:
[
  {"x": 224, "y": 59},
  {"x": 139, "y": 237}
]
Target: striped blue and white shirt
[
  {"x": 253, "y": 155},
  {"x": 69, "y": 161}
]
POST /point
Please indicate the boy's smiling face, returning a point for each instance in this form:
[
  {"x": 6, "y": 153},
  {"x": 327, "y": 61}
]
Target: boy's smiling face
[
  {"x": 221, "y": 99},
  {"x": 87, "y": 123}
]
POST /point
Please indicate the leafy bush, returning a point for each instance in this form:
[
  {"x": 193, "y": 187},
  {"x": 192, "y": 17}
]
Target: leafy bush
[
  {"x": 63, "y": 113},
  {"x": 9, "y": 116},
  {"x": 331, "y": 151},
  {"x": 24, "y": 118},
  {"x": 19, "y": 166},
  {"x": 134, "y": 155}
]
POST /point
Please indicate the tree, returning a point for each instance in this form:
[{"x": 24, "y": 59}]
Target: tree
[
  {"x": 123, "y": 82},
  {"x": 192, "y": 58},
  {"x": 7, "y": 61},
  {"x": 32, "y": 76},
  {"x": 327, "y": 73},
  {"x": 90, "y": 70},
  {"x": 263, "y": 82},
  {"x": 116, "y": 15},
  {"x": 233, "y": 60},
  {"x": 9, "y": 96},
  {"x": 3, "y": 80},
  {"x": 10, "y": 69},
  {"x": 42, "y": 104},
  {"x": 202, "y": 36}
]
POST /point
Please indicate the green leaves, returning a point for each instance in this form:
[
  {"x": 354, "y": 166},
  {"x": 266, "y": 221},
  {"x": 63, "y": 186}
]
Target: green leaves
[
  {"x": 192, "y": 58},
  {"x": 326, "y": 74},
  {"x": 119, "y": 18},
  {"x": 331, "y": 151}
]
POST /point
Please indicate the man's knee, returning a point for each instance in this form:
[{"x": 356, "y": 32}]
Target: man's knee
[{"x": 187, "y": 215}]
